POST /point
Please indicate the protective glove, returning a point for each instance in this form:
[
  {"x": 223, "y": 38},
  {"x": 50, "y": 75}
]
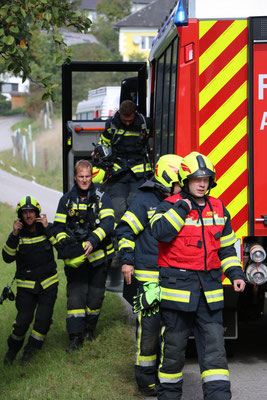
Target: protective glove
[
  {"x": 149, "y": 299},
  {"x": 76, "y": 261}
]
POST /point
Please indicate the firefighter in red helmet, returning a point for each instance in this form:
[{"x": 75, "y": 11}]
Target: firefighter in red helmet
[
  {"x": 196, "y": 245},
  {"x": 30, "y": 245}
]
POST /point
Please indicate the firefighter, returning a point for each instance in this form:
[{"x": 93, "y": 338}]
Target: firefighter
[
  {"x": 83, "y": 224},
  {"x": 30, "y": 244},
  {"x": 196, "y": 245},
  {"x": 126, "y": 134},
  {"x": 138, "y": 252}
]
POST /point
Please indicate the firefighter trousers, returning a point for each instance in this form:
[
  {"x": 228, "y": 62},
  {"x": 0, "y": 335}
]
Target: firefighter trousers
[
  {"x": 208, "y": 331},
  {"x": 29, "y": 301},
  {"x": 85, "y": 295},
  {"x": 121, "y": 189},
  {"x": 147, "y": 350}
]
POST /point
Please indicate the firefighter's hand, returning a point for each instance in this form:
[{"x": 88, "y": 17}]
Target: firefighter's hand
[
  {"x": 43, "y": 220},
  {"x": 128, "y": 271},
  {"x": 239, "y": 285},
  {"x": 188, "y": 202},
  {"x": 88, "y": 248},
  {"x": 17, "y": 226}
]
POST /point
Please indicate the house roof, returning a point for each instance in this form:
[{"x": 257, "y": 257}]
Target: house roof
[
  {"x": 88, "y": 5},
  {"x": 141, "y": 1},
  {"x": 151, "y": 16}
]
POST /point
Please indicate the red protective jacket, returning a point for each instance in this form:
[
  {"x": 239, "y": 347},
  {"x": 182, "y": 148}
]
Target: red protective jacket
[{"x": 197, "y": 244}]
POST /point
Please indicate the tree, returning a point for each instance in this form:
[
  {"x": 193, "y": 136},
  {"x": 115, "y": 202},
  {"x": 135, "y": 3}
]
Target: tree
[
  {"x": 114, "y": 10},
  {"x": 20, "y": 19},
  {"x": 104, "y": 32}
]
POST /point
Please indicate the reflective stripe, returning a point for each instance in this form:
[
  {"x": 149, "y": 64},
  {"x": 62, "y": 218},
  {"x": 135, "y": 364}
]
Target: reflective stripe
[
  {"x": 182, "y": 296},
  {"x": 25, "y": 284},
  {"x": 146, "y": 275},
  {"x": 124, "y": 243},
  {"x": 170, "y": 378},
  {"x": 52, "y": 240},
  {"x": 133, "y": 222},
  {"x": 38, "y": 336},
  {"x": 230, "y": 262},
  {"x": 11, "y": 252},
  {"x": 215, "y": 375},
  {"x": 206, "y": 221},
  {"x": 155, "y": 218},
  {"x": 100, "y": 233},
  {"x": 92, "y": 312},
  {"x": 76, "y": 313},
  {"x": 49, "y": 281},
  {"x": 107, "y": 212},
  {"x": 150, "y": 213},
  {"x": 60, "y": 218},
  {"x": 214, "y": 295},
  {"x": 97, "y": 255},
  {"x": 146, "y": 361},
  {"x": 228, "y": 240},
  {"x": 140, "y": 168},
  {"x": 31, "y": 284},
  {"x": 61, "y": 236},
  {"x": 174, "y": 219},
  {"x": 18, "y": 338},
  {"x": 37, "y": 239},
  {"x": 116, "y": 167}
]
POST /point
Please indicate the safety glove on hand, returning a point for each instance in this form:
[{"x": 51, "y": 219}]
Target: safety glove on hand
[{"x": 148, "y": 299}]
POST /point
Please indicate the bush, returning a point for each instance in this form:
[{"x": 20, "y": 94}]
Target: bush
[{"x": 5, "y": 105}]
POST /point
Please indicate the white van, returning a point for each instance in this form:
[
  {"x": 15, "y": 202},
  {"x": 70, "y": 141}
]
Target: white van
[{"x": 102, "y": 104}]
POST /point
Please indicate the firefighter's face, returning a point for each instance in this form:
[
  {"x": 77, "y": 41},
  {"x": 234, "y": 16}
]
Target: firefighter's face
[
  {"x": 198, "y": 186},
  {"x": 29, "y": 217},
  {"x": 127, "y": 120},
  {"x": 176, "y": 188},
  {"x": 83, "y": 178}
]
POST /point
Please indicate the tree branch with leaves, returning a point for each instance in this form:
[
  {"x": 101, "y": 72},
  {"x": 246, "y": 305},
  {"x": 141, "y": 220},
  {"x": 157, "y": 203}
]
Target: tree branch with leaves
[{"x": 20, "y": 19}]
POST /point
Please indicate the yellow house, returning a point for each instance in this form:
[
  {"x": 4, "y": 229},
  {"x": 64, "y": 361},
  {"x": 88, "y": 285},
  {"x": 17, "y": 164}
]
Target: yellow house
[{"x": 137, "y": 31}]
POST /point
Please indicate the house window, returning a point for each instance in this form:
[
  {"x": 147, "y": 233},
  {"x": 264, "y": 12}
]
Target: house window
[
  {"x": 9, "y": 87},
  {"x": 146, "y": 42}
]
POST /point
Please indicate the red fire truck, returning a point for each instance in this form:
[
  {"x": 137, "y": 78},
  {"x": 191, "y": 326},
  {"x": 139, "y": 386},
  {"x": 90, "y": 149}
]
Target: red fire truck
[{"x": 207, "y": 91}]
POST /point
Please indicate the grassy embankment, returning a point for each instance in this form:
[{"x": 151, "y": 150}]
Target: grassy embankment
[
  {"x": 101, "y": 370},
  {"x": 48, "y": 169}
]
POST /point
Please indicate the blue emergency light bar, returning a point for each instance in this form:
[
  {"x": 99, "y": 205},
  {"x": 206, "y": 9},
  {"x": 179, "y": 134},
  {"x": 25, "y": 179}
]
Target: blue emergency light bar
[{"x": 180, "y": 18}]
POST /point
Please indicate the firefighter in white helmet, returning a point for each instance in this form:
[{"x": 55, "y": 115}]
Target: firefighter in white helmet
[
  {"x": 138, "y": 252},
  {"x": 196, "y": 245}
]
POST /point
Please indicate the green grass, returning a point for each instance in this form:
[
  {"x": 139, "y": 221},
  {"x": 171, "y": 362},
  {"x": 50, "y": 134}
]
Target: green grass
[
  {"x": 48, "y": 168},
  {"x": 102, "y": 370},
  {"x": 52, "y": 177}
]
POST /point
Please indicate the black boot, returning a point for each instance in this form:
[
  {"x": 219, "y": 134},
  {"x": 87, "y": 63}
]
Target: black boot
[
  {"x": 76, "y": 341},
  {"x": 27, "y": 355},
  {"x": 9, "y": 357},
  {"x": 90, "y": 335}
]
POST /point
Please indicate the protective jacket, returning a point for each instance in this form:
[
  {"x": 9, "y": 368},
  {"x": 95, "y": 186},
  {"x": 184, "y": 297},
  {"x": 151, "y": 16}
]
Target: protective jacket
[
  {"x": 90, "y": 219},
  {"x": 128, "y": 144},
  {"x": 137, "y": 246},
  {"x": 195, "y": 248},
  {"x": 34, "y": 257}
]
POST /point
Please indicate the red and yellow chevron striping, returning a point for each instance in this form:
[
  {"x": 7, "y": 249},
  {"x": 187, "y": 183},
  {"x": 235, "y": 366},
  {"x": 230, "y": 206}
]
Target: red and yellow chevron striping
[{"x": 223, "y": 109}]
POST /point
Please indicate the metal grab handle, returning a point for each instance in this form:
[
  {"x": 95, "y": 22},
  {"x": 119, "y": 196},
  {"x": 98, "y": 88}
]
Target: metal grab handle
[{"x": 263, "y": 219}]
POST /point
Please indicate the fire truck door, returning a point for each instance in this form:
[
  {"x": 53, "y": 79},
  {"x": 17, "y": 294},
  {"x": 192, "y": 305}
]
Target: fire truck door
[{"x": 258, "y": 125}]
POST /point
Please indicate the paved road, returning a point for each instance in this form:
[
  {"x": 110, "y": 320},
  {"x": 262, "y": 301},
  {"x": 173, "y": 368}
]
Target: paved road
[
  {"x": 14, "y": 188},
  {"x": 5, "y": 131}
]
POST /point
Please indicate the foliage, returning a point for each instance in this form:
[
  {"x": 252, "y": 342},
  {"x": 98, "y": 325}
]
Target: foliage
[
  {"x": 114, "y": 10},
  {"x": 137, "y": 56},
  {"x": 5, "y": 105},
  {"x": 103, "y": 30},
  {"x": 19, "y": 21}
]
